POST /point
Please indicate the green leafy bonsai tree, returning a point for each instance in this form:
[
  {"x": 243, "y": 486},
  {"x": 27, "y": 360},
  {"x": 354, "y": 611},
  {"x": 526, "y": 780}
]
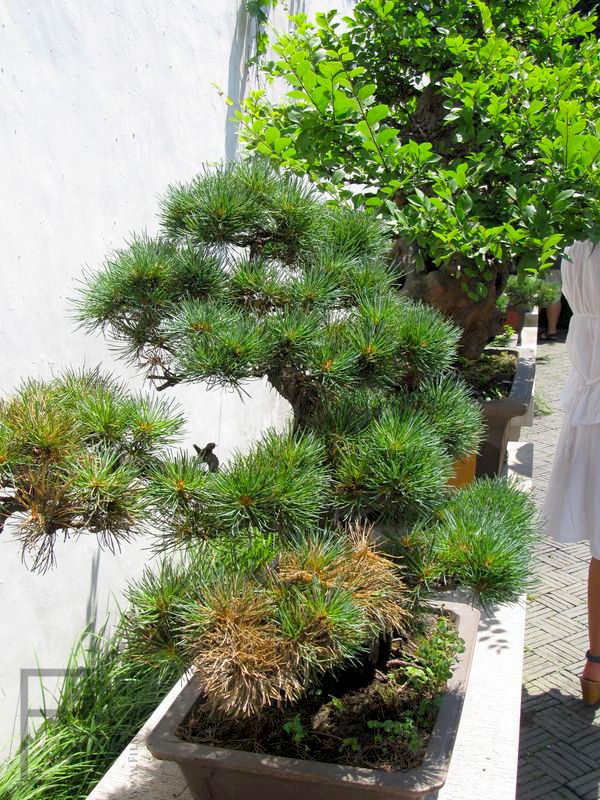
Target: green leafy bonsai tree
[
  {"x": 470, "y": 126},
  {"x": 528, "y": 292}
]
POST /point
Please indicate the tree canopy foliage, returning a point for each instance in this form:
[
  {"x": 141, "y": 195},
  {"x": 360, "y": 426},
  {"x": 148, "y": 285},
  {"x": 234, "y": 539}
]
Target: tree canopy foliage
[{"x": 472, "y": 127}]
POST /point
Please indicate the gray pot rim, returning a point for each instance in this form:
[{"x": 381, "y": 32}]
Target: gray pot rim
[{"x": 428, "y": 777}]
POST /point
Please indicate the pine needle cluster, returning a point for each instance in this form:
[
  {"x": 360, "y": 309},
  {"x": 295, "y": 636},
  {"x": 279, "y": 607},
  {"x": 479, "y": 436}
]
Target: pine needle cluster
[
  {"x": 253, "y": 276},
  {"x": 481, "y": 541},
  {"x": 280, "y": 485},
  {"x": 75, "y": 453}
]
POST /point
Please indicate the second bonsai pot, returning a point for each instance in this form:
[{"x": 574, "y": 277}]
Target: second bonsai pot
[
  {"x": 214, "y": 773},
  {"x": 499, "y": 412}
]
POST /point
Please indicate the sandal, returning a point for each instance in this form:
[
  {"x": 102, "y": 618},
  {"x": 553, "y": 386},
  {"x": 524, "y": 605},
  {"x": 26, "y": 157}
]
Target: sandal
[
  {"x": 547, "y": 337},
  {"x": 590, "y": 690}
]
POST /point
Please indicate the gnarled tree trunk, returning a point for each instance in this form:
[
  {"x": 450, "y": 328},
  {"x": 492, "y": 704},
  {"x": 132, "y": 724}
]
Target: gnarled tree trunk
[{"x": 480, "y": 320}]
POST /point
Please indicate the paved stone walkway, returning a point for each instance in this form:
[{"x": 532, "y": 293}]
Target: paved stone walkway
[{"x": 559, "y": 755}]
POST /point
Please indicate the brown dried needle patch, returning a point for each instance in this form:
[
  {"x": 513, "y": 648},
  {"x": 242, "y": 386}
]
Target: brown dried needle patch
[
  {"x": 374, "y": 580},
  {"x": 356, "y": 565},
  {"x": 244, "y": 663}
]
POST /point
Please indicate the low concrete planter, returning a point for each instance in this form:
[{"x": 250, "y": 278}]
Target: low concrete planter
[
  {"x": 499, "y": 414},
  {"x": 530, "y": 341},
  {"x": 219, "y": 774}
]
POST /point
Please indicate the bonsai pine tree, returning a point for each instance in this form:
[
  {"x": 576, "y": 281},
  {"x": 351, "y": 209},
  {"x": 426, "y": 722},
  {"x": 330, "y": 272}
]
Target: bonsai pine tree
[
  {"x": 471, "y": 127},
  {"x": 252, "y": 275}
]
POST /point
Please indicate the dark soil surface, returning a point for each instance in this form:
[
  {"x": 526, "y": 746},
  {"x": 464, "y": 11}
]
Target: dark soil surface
[{"x": 382, "y": 722}]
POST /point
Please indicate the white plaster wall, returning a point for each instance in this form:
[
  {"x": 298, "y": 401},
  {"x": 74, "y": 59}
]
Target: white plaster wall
[{"x": 102, "y": 104}]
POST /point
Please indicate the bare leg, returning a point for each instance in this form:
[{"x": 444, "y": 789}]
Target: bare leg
[
  {"x": 552, "y": 315},
  {"x": 592, "y": 671}
]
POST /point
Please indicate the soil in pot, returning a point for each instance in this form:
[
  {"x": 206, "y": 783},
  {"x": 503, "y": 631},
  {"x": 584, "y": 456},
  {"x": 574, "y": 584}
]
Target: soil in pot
[
  {"x": 491, "y": 376},
  {"x": 380, "y": 718}
]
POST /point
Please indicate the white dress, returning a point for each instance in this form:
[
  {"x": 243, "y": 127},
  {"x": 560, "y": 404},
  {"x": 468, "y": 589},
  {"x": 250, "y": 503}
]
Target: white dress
[{"x": 571, "y": 508}]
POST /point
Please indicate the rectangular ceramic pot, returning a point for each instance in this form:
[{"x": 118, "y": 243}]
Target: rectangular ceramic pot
[
  {"x": 499, "y": 412},
  {"x": 214, "y": 773}
]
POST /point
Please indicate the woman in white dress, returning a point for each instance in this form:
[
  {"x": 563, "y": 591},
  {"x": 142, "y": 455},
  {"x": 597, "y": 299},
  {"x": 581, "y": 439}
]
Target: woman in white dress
[{"x": 572, "y": 505}]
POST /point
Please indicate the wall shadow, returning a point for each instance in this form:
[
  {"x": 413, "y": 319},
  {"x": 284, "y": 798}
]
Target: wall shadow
[
  {"x": 238, "y": 75},
  {"x": 297, "y": 6},
  {"x": 91, "y": 609}
]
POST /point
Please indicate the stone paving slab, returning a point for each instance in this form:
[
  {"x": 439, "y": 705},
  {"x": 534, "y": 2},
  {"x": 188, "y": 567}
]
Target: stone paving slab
[{"x": 559, "y": 749}]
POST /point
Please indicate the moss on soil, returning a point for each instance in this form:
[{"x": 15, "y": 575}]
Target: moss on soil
[{"x": 491, "y": 375}]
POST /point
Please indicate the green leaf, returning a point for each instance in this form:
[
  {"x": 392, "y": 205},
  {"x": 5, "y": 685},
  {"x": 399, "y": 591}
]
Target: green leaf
[
  {"x": 464, "y": 204},
  {"x": 377, "y": 113},
  {"x": 566, "y": 194},
  {"x": 282, "y": 143},
  {"x": 342, "y": 103},
  {"x": 297, "y": 94},
  {"x": 486, "y": 16},
  {"x": 366, "y": 91},
  {"x": 444, "y": 192},
  {"x": 552, "y": 241},
  {"x": 386, "y": 135},
  {"x": 363, "y": 128},
  {"x": 330, "y": 69},
  {"x": 356, "y": 72},
  {"x": 271, "y": 134}
]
